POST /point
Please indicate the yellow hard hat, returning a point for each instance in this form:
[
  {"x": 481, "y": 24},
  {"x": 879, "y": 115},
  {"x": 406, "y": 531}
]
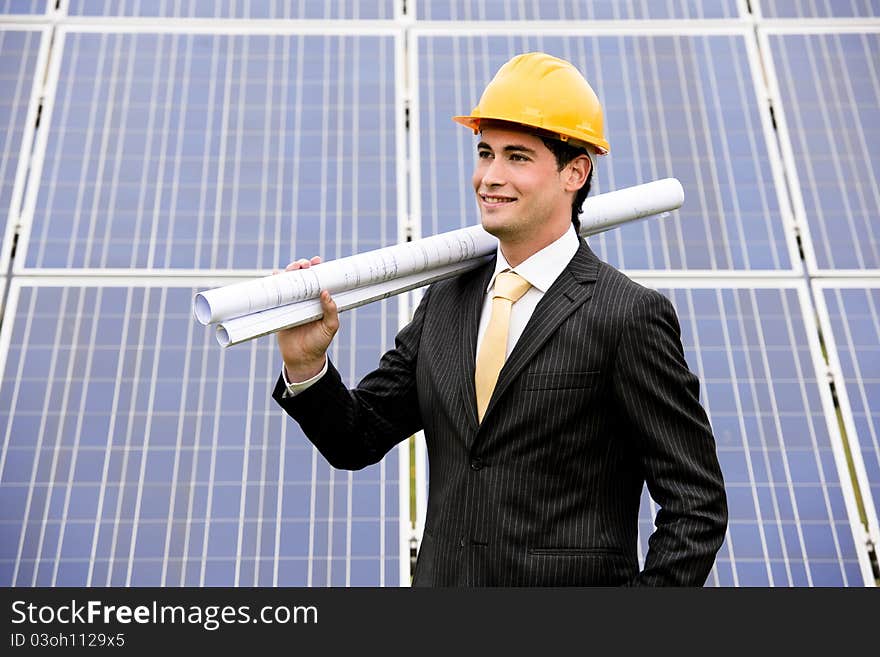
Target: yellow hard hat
[{"x": 537, "y": 90}]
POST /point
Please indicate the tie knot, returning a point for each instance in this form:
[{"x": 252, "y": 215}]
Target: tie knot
[{"x": 510, "y": 285}]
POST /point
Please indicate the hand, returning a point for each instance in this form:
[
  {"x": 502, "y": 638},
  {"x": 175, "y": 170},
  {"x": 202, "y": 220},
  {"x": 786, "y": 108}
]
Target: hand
[{"x": 304, "y": 347}]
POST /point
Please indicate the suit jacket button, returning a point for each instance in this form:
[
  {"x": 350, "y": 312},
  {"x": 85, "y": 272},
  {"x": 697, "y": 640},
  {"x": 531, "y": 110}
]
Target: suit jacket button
[
  {"x": 476, "y": 464},
  {"x": 462, "y": 542}
]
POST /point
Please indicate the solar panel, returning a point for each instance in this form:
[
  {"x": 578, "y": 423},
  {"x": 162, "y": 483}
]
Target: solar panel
[
  {"x": 20, "y": 53},
  {"x": 792, "y": 514},
  {"x": 307, "y": 9},
  {"x": 792, "y": 517},
  {"x": 136, "y": 452},
  {"x": 830, "y": 132},
  {"x": 133, "y": 450},
  {"x": 499, "y": 10},
  {"x": 25, "y": 7},
  {"x": 820, "y": 8},
  {"x": 216, "y": 151},
  {"x": 680, "y": 106},
  {"x": 850, "y": 314}
]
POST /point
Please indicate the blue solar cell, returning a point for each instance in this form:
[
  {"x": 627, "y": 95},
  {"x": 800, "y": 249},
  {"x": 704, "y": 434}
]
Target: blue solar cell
[
  {"x": 176, "y": 468},
  {"x": 500, "y": 10},
  {"x": 833, "y": 130},
  {"x": 822, "y": 9},
  {"x": 649, "y": 87},
  {"x": 267, "y": 158},
  {"x": 23, "y": 6},
  {"x": 18, "y": 62},
  {"x": 854, "y": 315},
  {"x": 309, "y": 9}
]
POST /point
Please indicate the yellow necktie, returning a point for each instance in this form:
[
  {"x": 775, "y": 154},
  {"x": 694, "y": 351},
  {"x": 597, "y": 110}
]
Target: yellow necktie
[{"x": 509, "y": 287}]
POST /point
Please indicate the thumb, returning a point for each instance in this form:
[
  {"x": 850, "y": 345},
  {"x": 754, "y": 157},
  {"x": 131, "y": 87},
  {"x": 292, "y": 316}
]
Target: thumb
[{"x": 330, "y": 319}]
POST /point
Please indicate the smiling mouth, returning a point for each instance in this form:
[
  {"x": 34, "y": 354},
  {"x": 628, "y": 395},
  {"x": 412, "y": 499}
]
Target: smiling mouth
[{"x": 491, "y": 200}]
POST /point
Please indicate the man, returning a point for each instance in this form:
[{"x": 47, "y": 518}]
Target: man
[{"x": 536, "y": 470}]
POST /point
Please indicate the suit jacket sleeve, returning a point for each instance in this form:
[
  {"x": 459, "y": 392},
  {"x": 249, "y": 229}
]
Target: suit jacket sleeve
[
  {"x": 356, "y": 428},
  {"x": 659, "y": 399}
]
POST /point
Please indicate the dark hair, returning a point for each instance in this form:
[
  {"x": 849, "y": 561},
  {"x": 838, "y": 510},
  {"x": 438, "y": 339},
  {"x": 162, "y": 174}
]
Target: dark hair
[{"x": 565, "y": 153}]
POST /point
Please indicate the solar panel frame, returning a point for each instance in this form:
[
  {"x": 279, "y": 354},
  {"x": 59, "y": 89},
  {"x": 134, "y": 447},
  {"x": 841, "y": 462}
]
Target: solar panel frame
[
  {"x": 662, "y": 281},
  {"x": 786, "y": 138},
  {"x": 214, "y": 27},
  {"x": 512, "y": 30},
  {"x": 831, "y": 339},
  {"x": 11, "y": 213},
  {"x": 319, "y": 573}
]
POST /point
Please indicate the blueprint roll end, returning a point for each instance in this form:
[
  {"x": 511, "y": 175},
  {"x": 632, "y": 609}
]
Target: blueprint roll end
[
  {"x": 666, "y": 192},
  {"x": 675, "y": 184},
  {"x": 222, "y": 336},
  {"x": 202, "y": 309}
]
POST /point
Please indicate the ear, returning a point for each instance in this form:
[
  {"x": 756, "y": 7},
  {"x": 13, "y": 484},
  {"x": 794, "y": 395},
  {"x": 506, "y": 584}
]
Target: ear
[{"x": 574, "y": 176}]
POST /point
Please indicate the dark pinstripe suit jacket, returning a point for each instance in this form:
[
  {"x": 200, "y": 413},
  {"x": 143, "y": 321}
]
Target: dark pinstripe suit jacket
[{"x": 594, "y": 400}]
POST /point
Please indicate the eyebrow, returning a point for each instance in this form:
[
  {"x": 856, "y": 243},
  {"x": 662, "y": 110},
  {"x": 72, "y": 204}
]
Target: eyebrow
[{"x": 510, "y": 148}]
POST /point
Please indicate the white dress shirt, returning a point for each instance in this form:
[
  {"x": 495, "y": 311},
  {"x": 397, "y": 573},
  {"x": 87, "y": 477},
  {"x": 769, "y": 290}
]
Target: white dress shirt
[{"x": 541, "y": 270}]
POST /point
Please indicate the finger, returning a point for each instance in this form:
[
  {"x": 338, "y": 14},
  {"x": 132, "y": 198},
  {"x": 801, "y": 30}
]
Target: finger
[
  {"x": 275, "y": 271},
  {"x": 303, "y": 263}
]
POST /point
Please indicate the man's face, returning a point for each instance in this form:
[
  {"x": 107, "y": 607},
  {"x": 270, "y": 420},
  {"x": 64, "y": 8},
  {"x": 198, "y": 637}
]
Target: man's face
[{"x": 521, "y": 194}]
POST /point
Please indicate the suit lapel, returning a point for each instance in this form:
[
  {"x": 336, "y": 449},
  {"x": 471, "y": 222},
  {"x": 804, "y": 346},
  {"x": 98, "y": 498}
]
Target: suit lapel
[
  {"x": 573, "y": 287},
  {"x": 468, "y": 327}
]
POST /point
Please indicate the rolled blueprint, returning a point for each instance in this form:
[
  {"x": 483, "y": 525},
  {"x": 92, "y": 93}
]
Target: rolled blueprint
[
  {"x": 244, "y": 311},
  {"x": 370, "y": 268},
  {"x": 248, "y": 327}
]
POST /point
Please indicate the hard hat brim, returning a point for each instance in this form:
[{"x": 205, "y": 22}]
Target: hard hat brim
[
  {"x": 473, "y": 122},
  {"x": 468, "y": 122}
]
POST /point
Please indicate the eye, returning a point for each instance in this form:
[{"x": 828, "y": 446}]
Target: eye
[
  {"x": 484, "y": 155},
  {"x": 518, "y": 157}
]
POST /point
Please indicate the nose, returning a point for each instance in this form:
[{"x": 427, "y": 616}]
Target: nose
[{"x": 492, "y": 173}]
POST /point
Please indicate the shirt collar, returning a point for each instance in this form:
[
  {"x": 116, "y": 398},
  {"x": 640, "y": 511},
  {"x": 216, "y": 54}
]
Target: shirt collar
[{"x": 541, "y": 269}]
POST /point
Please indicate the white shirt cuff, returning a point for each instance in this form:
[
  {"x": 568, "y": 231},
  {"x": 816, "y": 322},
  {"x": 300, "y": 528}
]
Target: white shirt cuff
[{"x": 293, "y": 389}]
